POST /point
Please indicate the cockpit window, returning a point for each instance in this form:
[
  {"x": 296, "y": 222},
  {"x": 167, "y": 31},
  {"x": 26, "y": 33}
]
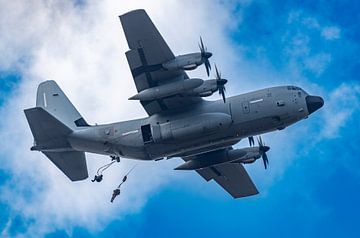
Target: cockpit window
[
  {"x": 293, "y": 88},
  {"x": 304, "y": 92}
]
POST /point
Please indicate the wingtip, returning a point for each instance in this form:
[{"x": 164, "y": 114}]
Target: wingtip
[{"x": 135, "y": 11}]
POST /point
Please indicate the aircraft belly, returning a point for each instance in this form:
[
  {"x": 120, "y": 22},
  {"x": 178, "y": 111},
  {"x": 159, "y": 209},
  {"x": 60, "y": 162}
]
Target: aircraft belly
[
  {"x": 258, "y": 126},
  {"x": 87, "y": 145},
  {"x": 190, "y": 147},
  {"x": 138, "y": 153}
]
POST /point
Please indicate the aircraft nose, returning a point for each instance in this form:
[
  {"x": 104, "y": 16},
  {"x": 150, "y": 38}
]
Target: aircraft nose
[{"x": 313, "y": 103}]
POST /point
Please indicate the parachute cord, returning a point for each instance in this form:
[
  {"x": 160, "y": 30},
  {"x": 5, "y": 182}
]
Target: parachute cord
[
  {"x": 104, "y": 167},
  {"x": 116, "y": 192},
  {"x": 125, "y": 177}
]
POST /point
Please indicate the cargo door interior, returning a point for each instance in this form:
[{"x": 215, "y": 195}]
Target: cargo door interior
[{"x": 146, "y": 134}]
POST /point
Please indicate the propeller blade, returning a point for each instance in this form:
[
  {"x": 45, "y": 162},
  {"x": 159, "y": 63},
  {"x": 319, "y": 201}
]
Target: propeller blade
[
  {"x": 251, "y": 140},
  {"x": 205, "y": 55},
  {"x": 265, "y": 160},
  {"x": 260, "y": 142},
  {"x": 202, "y": 48},
  {"x": 207, "y": 67},
  {"x": 220, "y": 83},
  {"x": 208, "y": 63},
  {"x": 262, "y": 150},
  {"x": 223, "y": 95},
  {"x": 217, "y": 73},
  {"x": 265, "y": 165}
]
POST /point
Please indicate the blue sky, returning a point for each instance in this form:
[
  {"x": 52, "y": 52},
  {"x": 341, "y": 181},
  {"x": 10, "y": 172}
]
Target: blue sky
[{"x": 312, "y": 186}]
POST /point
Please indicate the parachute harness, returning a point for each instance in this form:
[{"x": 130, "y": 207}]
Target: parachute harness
[{"x": 116, "y": 192}]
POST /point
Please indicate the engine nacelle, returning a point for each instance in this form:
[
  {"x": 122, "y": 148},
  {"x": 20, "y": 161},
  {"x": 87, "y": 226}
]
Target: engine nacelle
[
  {"x": 252, "y": 154},
  {"x": 207, "y": 88},
  {"x": 248, "y": 161},
  {"x": 184, "y": 62},
  {"x": 179, "y": 87},
  {"x": 245, "y": 156},
  {"x": 194, "y": 87}
]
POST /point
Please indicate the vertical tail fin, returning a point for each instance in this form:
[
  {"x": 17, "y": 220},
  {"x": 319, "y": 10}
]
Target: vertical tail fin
[
  {"x": 51, "y": 122},
  {"x": 53, "y": 100},
  {"x": 48, "y": 131}
]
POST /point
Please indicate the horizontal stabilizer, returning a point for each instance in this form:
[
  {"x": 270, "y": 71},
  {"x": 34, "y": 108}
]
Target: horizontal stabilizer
[{"x": 72, "y": 164}]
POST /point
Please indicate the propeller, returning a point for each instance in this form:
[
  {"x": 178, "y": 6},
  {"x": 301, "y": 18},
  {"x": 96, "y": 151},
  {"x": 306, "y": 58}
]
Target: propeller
[
  {"x": 220, "y": 82},
  {"x": 251, "y": 140},
  {"x": 205, "y": 55},
  {"x": 263, "y": 149}
]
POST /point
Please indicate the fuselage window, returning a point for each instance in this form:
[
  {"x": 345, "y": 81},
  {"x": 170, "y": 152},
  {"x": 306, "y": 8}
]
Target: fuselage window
[{"x": 293, "y": 88}]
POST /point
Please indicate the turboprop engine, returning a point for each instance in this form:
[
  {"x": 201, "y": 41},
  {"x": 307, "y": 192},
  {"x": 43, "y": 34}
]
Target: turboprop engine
[
  {"x": 210, "y": 86},
  {"x": 194, "y": 87},
  {"x": 185, "y": 62},
  {"x": 190, "y": 61},
  {"x": 167, "y": 90},
  {"x": 244, "y": 155},
  {"x": 207, "y": 88}
]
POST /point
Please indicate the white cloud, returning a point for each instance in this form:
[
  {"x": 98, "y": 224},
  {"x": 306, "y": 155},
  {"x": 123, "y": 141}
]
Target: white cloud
[
  {"x": 83, "y": 50},
  {"x": 340, "y": 105},
  {"x": 5, "y": 231},
  {"x": 317, "y": 63},
  {"x": 331, "y": 33},
  {"x": 303, "y": 31},
  {"x": 310, "y": 22}
]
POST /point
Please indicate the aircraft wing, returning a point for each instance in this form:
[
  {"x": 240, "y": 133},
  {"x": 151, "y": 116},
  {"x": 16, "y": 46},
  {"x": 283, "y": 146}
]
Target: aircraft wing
[
  {"x": 232, "y": 177},
  {"x": 148, "y": 51}
]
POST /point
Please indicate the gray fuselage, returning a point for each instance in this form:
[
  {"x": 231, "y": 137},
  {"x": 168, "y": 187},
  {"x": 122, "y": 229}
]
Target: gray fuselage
[{"x": 206, "y": 126}]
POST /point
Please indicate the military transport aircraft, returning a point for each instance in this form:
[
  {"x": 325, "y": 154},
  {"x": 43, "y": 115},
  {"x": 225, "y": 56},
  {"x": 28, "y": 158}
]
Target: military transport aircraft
[{"x": 180, "y": 122}]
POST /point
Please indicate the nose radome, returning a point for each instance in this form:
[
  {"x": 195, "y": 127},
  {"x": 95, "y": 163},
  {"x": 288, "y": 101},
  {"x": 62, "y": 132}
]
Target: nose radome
[{"x": 313, "y": 103}]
